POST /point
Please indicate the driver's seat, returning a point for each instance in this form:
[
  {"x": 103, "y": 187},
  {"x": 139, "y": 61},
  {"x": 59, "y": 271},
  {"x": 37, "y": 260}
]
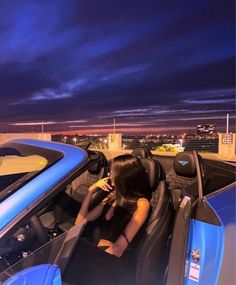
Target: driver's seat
[{"x": 153, "y": 253}]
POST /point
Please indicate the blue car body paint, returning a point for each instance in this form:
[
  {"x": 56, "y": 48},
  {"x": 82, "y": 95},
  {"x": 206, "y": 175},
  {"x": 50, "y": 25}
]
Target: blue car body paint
[{"x": 216, "y": 244}]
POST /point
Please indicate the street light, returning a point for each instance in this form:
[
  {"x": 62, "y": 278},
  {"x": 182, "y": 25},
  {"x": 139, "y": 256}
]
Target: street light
[
  {"x": 181, "y": 142},
  {"x": 75, "y": 140},
  {"x": 65, "y": 139}
]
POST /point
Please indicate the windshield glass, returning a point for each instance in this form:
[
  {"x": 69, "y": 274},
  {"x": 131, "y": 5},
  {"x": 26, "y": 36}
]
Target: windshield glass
[
  {"x": 13, "y": 164},
  {"x": 21, "y": 163},
  {"x": 16, "y": 169}
]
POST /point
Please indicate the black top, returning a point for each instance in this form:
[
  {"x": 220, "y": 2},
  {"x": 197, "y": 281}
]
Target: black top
[{"x": 113, "y": 228}]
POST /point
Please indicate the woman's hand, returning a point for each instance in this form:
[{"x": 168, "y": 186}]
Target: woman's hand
[
  {"x": 112, "y": 249},
  {"x": 115, "y": 250},
  {"x": 102, "y": 183},
  {"x": 104, "y": 242}
]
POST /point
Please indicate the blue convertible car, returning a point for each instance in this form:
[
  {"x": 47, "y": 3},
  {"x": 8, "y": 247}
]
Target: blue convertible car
[{"x": 190, "y": 237}]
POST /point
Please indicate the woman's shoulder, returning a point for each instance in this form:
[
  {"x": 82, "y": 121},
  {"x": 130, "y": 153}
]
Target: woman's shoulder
[{"x": 143, "y": 203}]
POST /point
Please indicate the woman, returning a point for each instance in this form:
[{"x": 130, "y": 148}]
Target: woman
[{"x": 123, "y": 212}]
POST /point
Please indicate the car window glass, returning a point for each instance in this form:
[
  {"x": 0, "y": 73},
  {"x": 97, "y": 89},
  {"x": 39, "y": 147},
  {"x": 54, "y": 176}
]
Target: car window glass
[{"x": 13, "y": 164}]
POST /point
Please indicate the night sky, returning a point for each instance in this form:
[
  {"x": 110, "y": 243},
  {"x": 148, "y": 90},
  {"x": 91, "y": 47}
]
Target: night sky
[{"x": 154, "y": 66}]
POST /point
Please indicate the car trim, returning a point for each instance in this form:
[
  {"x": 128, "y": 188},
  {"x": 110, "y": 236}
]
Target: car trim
[{"x": 221, "y": 190}]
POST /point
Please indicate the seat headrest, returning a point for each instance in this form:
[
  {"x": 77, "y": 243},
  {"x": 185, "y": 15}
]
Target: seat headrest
[
  {"x": 101, "y": 162},
  {"x": 142, "y": 153},
  {"x": 95, "y": 168},
  {"x": 184, "y": 164},
  {"x": 154, "y": 170}
]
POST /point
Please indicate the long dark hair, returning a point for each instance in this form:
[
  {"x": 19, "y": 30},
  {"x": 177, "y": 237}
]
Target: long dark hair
[{"x": 130, "y": 179}]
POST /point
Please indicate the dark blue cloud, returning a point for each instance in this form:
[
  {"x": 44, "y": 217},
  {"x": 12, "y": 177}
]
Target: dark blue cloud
[{"x": 149, "y": 62}]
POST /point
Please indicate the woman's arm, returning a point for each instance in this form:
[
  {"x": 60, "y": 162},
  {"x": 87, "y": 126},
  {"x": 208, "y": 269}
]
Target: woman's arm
[
  {"x": 96, "y": 212},
  {"x": 110, "y": 212},
  {"x": 136, "y": 222}
]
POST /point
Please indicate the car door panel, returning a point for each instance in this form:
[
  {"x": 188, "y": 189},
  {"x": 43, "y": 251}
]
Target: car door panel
[
  {"x": 225, "y": 207},
  {"x": 208, "y": 240},
  {"x": 216, "y": 243}
]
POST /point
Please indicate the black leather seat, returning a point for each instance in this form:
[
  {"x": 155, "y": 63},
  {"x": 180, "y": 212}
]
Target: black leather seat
[
  {"x": 153, "y": 252},
  {"x": 142, "y": 153},
  {"x": 155, "y": 172},
  {"x": 183, "y": 174}
]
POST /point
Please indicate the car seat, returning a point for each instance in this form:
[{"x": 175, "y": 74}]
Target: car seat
[
  {"x": 153, "y": 252},
  {"x": 182, "y": 177},
  {"x": 142, "y": 153}
]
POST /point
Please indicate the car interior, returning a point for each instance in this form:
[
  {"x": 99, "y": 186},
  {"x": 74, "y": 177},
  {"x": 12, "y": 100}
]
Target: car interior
[{"x": 170, "y": 179}]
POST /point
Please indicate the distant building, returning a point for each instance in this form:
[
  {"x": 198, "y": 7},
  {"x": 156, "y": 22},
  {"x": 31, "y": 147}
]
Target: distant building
[{"x": 206, "y": 130}]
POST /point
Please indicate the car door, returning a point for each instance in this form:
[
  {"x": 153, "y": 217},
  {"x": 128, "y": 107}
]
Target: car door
[
  {"x": 203, "y": 245},
  {"x": 212, "y": 240}
]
